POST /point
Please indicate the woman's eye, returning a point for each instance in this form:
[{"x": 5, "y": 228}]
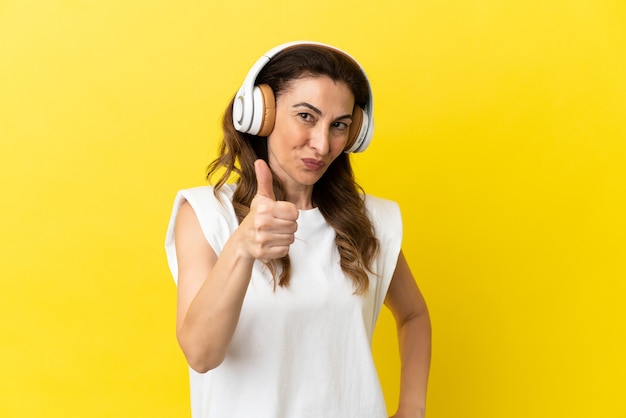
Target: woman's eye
[
  {"x": 305, "y": 116},
  {"x": 340, "y": 125}
]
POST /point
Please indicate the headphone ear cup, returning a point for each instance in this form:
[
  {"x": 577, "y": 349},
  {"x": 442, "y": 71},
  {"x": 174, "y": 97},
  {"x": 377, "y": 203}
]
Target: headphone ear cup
[
  {"x": 355, "y": 127},
  {"x": 264, "y": 111}
]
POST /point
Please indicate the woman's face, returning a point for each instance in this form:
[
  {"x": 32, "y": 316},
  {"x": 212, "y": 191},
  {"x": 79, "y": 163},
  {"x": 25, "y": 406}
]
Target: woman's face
[{"x": 313, "y": 117}]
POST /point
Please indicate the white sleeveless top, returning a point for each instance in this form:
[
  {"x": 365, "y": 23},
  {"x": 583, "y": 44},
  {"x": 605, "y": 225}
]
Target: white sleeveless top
[{"x": 304, "y": 350}]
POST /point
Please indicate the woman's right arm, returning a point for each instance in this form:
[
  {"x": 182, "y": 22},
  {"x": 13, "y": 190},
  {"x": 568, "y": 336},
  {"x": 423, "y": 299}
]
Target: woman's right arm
[
  {"x": 211, "y": 289},
  {"x": 210, "y": 292}
]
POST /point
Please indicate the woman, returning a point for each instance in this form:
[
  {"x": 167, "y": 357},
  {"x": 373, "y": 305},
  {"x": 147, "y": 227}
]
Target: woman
[{"x": 281, "y": 275}]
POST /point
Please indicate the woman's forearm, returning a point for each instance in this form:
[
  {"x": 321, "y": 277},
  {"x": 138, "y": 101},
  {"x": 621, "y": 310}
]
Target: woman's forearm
[
  {"x": 211, "y": 318},
  {"x": 414, "y": 340}
]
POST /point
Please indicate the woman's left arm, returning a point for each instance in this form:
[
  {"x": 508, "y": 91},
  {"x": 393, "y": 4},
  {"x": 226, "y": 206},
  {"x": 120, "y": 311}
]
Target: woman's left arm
[{"x": 409, "y": 309}]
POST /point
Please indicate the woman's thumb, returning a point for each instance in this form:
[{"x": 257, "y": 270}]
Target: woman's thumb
[{"x": 264, "y": 179}]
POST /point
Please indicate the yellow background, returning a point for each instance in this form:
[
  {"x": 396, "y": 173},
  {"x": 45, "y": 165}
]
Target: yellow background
[{"x": 500, "y": 129}]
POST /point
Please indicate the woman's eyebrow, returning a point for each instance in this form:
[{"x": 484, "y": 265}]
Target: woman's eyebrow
[
  {"x": 309, "y": 106},
  {"x": 319, "y": 112}
]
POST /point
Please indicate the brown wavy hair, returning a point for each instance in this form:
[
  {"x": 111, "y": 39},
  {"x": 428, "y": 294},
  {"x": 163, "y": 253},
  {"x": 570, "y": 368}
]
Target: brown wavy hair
[{"x": 337, "y": 195}]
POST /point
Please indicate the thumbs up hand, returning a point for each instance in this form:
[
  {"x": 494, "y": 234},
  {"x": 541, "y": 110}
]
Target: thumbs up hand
[{"x": 270, "y": 226}]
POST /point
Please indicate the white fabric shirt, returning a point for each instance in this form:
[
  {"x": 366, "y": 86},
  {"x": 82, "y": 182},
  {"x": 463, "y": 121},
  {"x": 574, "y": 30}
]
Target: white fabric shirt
[{"x": 304, "y": 350}]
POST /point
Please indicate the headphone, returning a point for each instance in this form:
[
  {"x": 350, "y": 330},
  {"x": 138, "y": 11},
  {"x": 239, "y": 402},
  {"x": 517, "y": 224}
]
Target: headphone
[{"x": 254, "y": 106}]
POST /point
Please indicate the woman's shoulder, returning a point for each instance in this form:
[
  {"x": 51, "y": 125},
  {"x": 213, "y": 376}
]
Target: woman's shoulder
[
  {"x": 206, "y": 198},
  {"x": 208, "y": 194},
  {"x": 385, "y": 216},
  {"x": 380, "y": 207},
  {"x": 215, "y": 215},
  {"x": 209, "y": 204}
]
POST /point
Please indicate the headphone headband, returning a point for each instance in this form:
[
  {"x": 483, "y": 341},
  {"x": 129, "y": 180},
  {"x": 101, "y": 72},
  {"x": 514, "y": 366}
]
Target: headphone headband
[{"x": 248, "y": 103}]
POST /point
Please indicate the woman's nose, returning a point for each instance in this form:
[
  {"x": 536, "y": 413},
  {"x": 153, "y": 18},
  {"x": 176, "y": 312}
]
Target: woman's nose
[{"x": 320, "y": 140}]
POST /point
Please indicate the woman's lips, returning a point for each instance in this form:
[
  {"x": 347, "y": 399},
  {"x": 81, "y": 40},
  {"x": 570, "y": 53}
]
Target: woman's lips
[{"x": 312, "y": 163}]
